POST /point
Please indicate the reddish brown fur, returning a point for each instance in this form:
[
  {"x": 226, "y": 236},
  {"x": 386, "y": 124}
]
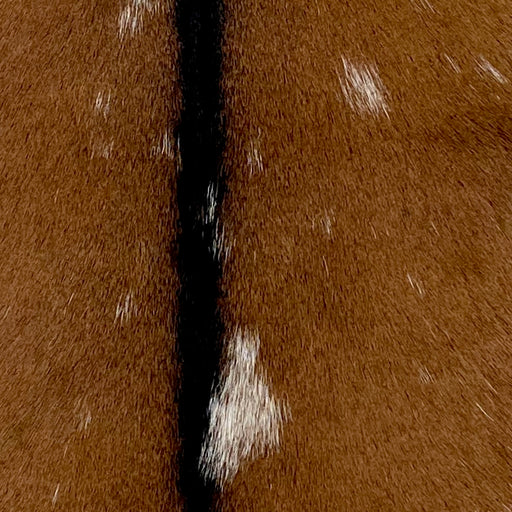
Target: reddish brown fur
[
  {"x": 400, "y": 400},
  {"x": 388, "y": 337},
  {"x": 87, "y": 411}
]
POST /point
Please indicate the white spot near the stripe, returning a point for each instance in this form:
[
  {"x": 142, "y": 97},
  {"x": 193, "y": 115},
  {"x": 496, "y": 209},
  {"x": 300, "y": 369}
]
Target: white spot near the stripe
[
  {"x": 126, "y": 308},
  {"x": 102, "y": 103},
  {"x": 363, "y": 89},
  {"x": 55, "y": 495},
  {"x": 211, "y": 203},
  {"x": 179, "y": 164},
  {"x": 245, "y": 419},
  {"x": 254, "y": 159},
  {"x": 132, "y": 16},
  {"x": 164, "y": 147},
  {"x": 222, "y": 243},
  {"x": 486, "y": 67}
]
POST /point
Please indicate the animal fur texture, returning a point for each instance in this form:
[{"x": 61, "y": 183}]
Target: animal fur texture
[
  {"x": 371, "y": 249},
  {"x": 88, "y": 100},
  {"x": 364, "y": 232}
]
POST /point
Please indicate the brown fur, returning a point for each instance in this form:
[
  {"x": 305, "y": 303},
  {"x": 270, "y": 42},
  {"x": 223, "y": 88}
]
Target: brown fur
[
  {"x": 390, "y": 337},
  {"x": 87, "y": 377}
]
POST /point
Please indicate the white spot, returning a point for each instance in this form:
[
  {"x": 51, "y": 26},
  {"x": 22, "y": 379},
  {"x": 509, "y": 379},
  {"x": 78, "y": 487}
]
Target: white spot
[
  {"x": 245, "y": 420},
  {"x": 132, "y": 16},
  {"x": 425, "y": 376},
  {"x": 164, "y": 146},
  {"x": 126, "y": 308},
  {"x": 434, "y": 228},
  {"x": 363, "y": 89},
  {"x": 486, "y": 67},
  {"x": 83, "y": 413},
  {"x": 85, "y": 420},
  {"x": 5, "y": 313},
  {"x": 222, "y": 244},
  {"x": 102, "y": 149},
  {"x": 254, "y": 159},
  {"x": 102, "y": 103},
  {"x": 55, "y": 495},
  {"x": 326, "y": 223},
  {"x": 211, "y": 203},
  {"x": 423, "y": 4},
  {"x": 452, "y": 62},
  {"x": 415, "y": 285}
]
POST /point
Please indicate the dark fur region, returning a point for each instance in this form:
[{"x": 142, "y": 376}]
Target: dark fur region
[{"x": 199, "y": 25}]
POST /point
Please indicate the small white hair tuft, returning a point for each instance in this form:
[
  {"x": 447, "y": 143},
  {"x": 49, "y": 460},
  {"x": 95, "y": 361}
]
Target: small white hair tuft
[
  {"x": 363, "y": 89},
  {"x": 131, "y": 17}
]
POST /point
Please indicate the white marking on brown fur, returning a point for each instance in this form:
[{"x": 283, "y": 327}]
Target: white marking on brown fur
[
  {"x": 164, "y": 146},
  {"x": 363, "y": 89},
  {"x": 483, "y": 412},
  {"x": 132, "y": 16},
  {"x": 324, "y": 223},
  {"x": 85, "y": 420},
  {"x": 102, "y": 149},
  {"x": 245, "y": 420},
  {"x": 485, "y": 66},
  {"x": 425, "y": 376},
  {"x": 434, "y": 228},
  {"x": 424, "y": 4},
  {"x": 453, "y": 64},
  {"x": 55, "y": 495},
  {"x": 84, "y": 416},
  {"x": 222, "y": 244},
  {"x": 102, "y": 103},
  {"x": 325, "y": 266},
  {"x": 126, "y": 308},
  {"x": 254, "y": 159},
  {"x": 415, "y": 285}
]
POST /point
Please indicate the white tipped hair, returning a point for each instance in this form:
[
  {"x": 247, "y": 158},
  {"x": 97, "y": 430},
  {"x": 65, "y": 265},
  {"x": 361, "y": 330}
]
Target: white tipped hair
[{"x": 245, "y": 420}]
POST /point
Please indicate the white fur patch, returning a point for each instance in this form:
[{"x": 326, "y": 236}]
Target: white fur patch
[
  {"x": 102, "y": 103},
  {"x": 132, "y": 16},
  {"x": 254, "y": 159},
  {"x": 486, "y": 67},
  {"x": 211, "y": 203},
  {"x": 126, "y": 308},
  {"x": 452, "y": 62},
  {"x": 222, "y": 242},
  {"x": 165, "y": 146},
  {"x": 245, "y": 420},
  {"x": 363, "y": 89}
]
